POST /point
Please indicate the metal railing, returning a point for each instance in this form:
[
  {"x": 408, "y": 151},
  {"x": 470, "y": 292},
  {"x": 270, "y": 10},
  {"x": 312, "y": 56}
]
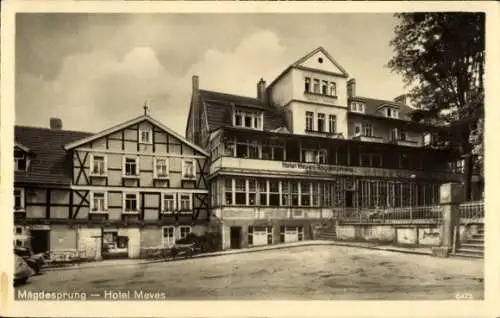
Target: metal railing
[
  {"x": 417, "y": 214},
  {"x": 473, "y": 210}
]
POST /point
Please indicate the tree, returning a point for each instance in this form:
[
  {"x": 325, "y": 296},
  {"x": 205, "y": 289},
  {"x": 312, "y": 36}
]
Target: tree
[{"x": 441, "y": 58}]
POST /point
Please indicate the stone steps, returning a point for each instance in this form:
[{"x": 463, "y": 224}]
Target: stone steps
[{"x": 472, "y": 247}]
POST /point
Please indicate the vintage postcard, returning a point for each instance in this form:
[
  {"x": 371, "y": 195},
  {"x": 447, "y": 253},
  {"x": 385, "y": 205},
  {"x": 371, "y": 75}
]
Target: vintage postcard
[{"x": 249, "y": 159}]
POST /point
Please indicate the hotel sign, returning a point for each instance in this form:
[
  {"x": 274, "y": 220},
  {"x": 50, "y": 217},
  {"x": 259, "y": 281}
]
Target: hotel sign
[{"x": 318, "y": 167}]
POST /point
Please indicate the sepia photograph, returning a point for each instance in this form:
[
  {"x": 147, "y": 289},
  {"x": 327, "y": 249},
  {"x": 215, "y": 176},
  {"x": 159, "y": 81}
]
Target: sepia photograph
[{"x": 248, "y": 156}]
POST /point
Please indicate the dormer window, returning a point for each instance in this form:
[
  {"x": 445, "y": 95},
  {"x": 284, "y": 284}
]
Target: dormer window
[
  {"x": 357, "y": 107},
  {"x": 391, "y": 113},
  {"x": 145, "y": 136},
  {"x": 20, "y": 161},
  {"x": 250, "y": 120}
]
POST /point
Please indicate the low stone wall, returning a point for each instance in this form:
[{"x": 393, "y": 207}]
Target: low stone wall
[{"x": 401, "y": 234}]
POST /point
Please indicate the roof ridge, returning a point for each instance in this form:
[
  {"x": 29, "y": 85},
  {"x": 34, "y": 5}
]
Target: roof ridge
[
  {"x": 50, "y": 129},
  {"x": 229, "y": 94}
]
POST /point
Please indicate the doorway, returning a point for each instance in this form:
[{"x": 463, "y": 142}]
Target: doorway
[
  {"x": 349, "y": 199},
  {"x": 40, "y": 241},
  {"x": 235, "y": 235}
]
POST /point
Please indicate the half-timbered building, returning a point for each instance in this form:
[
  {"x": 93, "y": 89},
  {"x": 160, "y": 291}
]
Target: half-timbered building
[
  {"x": 135, "y": 185},
  {"x": 308, "y": 148}
]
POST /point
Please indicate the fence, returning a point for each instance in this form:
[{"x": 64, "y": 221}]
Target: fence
[
  {"x": 471, "y": 212},
  {"x": 417, "y": 214}
]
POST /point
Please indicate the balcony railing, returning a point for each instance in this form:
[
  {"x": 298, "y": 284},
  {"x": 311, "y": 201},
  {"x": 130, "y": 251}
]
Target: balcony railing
[
  {"x": 417, "y": 214},
  {"x": 368, "y": 138},
  {"x": 404, "y": 142}
]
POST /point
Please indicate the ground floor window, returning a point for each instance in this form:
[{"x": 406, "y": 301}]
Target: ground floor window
[
  {"x": 291, "y": 233},
  {"x": 260, "y": 235},
  {"x": 168, "y": 235},
  {"x": 184, "y": 231}
]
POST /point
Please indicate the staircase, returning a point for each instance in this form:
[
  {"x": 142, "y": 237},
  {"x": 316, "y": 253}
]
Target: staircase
[
  {"x": 473, "y": 246},
  {"x": 327, "y": 233}
]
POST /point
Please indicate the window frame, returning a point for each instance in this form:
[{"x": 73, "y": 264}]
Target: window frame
[
  {"x": 105, "y": 198},
  {"x": 24, "y": 158},
  {"x": 164, "y": 206},
  {"x": 155, "y": 168},
  {"x": 149, "y": 141},
  {"x": 332, "y": 124},
  {"x": 181, "y": 227},
  {"x": 137, "y": 167},
  {"x": 170, "y": 227},
  {"x": 136, "y": 194},
  {"x": 180, "y": 197},
  {"x": 321, "y": 122},
  {"x": 367, "y": 127},
  {"x": 183, "y": 167},
  {"x": 22, "y": 207},
  {"x": 309, "y": 121},
  {"x": 307, "y": 84},
  {"x": 105, "y": 165}
]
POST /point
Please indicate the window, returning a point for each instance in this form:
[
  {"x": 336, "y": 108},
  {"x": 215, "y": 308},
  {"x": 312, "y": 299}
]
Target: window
[
  {"x": 168, "y": 236},
  {"x": 20, "y": 161},
  {"x": 332, "y": 124},
  {"x": 161, "y": 168},
  {"x": 145, "y": 136},
  {"x": 427, "y": 139},
  {"x": 269, "y": 235},
  {"x": 185, "y": 202},
  {"x": 368, "y": 130},
  {"x": 333, "y": 89},
  {"x": 252, "y": 192},
  {"x": 305, "y": 193},
  {"x": 98, "y": 202},
  {"x": 358, "y": 107},
  {"x": 314, "y": 156},
  {"x": 131, "y": 202},
  {"x": 307, "y": 84},
  {"x": 253, "y": 150},
  {"x": 19, "y": 230},
  {"x": 18, "y": 199},
  {"x": 284, "y": 193},
  {"x": 131, "y": 166},
  {"x": 228, "y": 190},
  {"x": 316, "y": 86},
  {"x": 229, "y": 147},
  {"x": 357, "y": 129},
  {"x": 294, "y": 190},
  {"x": 307, "y": 156},
  {"x": 309, "y": 121},
  {"x": 248, "y": 119},
  {"x": 184, "y": 231},
  {"x": 321, "y": 156},
  {"x": 394, "y": 134},
  {"x": 262, "y": 192},
  {"x": 250, "y": 235},
  {"x": 168, "y": 202},
  {"x": 274, "y": 193},
  {"x": 99, "y": 165},
  {"x": 393, "y": 113},
  {"x": 402, "y": 135},
  {"x": 324, "y": 88},
  {"x": 321, "y": 122},
  {"x": 188, "y": 169},
  {"x": 240, "y": 191}
]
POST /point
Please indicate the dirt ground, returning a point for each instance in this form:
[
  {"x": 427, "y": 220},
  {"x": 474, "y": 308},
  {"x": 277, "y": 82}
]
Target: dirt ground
[{"x": 301, "y": 273}]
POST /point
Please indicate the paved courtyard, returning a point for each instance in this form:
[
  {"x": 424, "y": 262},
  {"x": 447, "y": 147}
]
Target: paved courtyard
[{"x": 301, "y": 273}]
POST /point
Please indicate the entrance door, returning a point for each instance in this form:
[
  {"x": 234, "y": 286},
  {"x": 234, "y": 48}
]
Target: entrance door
[
  {"x": 168, "y": 236},
  {"x": 291, "y": 234},
  {"x": 235, "y": 236},
  {"x": 40, "y": 241}
]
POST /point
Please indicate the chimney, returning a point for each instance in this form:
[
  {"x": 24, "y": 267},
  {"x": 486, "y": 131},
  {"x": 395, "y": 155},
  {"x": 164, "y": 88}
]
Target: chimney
[
  {"x": 195, "y": 122},
  {"x": 261, "y": 91},
  {"x": 195, "y": 84},
  {"x": 351, "y": 88},
  {"x": 56, "y": 123},
  {"x": 401, "y": 99}
]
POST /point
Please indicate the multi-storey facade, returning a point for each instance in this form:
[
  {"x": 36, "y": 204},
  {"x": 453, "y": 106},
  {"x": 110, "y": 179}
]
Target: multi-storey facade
[
  {"x": 308, "y": 147},
  {"x": 137, "y": 184}
]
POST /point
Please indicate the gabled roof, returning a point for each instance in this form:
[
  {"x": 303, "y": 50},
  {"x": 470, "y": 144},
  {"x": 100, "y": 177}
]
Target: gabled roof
[
  {"x": 373, "y": 105},
  {"x": 297, "y": 64},
  {"x": 219, "y": 106},
  {"x": 52, "y": 165},
  {"x": 328, "y": 56},
  {"x": 129, "y": 123}
]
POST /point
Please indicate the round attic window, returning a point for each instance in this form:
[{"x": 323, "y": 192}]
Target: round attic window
[{"x": 320, "y": 60}]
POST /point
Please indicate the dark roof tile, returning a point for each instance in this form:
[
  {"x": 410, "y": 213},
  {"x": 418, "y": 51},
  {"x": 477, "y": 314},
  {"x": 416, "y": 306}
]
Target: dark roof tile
[{"x": 51, "y": 163}]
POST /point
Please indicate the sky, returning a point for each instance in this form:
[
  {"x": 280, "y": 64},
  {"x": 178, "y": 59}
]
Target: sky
[{"x": 97, "y": 70}]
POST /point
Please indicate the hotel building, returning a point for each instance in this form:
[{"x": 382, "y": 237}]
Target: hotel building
[
  {"x": 307, "y": 149},
  {"x": 109, "y": 194}
]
